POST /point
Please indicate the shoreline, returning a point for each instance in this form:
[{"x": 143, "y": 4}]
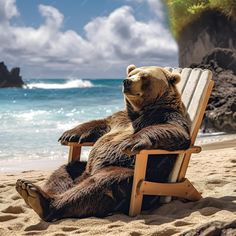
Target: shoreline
[
  {"x": 220, "y": 145},
  {"x": 210, "y": 142}
]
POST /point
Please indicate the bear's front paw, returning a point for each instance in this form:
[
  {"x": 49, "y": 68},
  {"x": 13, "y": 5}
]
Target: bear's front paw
[
  {"x": 69, "y": 136},
  {"x": 134, "y": 145},
  {"x": 75, "y": 135}
]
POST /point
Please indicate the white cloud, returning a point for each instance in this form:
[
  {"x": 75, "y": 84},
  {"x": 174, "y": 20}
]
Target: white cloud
[
  {"x": 7, "y": 10},
  {"x": 157, "y": 7},
  {"x": 109, "y": 44},
  {"x": 54, "y": 18}
]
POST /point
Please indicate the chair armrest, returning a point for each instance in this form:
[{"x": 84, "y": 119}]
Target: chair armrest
[
  {"x": 74, "y": 144},
  {"x": 193, "y": 149}
]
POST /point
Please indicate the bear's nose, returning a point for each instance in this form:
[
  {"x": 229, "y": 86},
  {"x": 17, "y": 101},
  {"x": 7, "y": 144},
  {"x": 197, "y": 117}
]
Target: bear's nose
[{"x": 127, "y": 83}]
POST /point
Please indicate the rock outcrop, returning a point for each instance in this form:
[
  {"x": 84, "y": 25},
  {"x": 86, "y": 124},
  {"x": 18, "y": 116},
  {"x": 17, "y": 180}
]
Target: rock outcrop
[
  {"x": 10, "y": 78},
  {"x": 211, "y": 29},
  {"x": 220, "y": 114},
  {"x": 217, "y": 228},
  {"x": 209, "y": 42}
]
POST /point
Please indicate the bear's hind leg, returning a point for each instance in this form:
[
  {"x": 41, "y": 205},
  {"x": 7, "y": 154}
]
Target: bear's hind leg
[
  {"x": 64, "y": 178},
  {"x": 105, "y": 192},
  {"x": 108, "y": 190}
]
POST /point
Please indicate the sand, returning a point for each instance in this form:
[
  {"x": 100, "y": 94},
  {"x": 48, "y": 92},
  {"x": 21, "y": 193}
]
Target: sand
[{"x": 213, "y": 172}]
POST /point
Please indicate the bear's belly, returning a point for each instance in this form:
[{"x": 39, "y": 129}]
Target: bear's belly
[{"x": 107, "y": 150}]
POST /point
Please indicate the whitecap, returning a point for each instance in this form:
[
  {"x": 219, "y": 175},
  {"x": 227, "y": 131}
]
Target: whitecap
[
  {"x": 30, "y": 115},
  {"x": 78, "y": 83}
]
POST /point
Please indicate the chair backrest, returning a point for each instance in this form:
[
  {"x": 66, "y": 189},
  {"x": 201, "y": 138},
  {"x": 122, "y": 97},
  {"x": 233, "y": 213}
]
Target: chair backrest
[{"x": 195, "y": 87}]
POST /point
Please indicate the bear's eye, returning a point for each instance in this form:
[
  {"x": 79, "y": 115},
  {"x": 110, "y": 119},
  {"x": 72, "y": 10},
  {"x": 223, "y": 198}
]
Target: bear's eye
[
  {"x": 144, "y": 76},
  {"x": 132, "y": 77}
]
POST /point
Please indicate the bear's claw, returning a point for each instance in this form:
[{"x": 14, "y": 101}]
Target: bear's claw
[
  {"x": 134, "y": 146},
  {"x": 69, "y": 136}
]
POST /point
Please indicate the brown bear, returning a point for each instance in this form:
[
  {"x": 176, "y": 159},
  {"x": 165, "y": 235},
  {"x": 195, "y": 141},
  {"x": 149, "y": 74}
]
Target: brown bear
[{"x": 155, "y": 117}]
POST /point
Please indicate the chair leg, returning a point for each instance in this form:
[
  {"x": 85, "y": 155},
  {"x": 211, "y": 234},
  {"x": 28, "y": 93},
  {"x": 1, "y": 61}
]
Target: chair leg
[
  {"x": 74, "y": 153},
  {"x": 139, "y": 176},
  {"x": 191, "y": 192},
  {"x": 183, "y": 168}
]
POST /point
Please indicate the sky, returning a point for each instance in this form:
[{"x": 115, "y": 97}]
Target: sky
[{"x": 84, "y": 38}]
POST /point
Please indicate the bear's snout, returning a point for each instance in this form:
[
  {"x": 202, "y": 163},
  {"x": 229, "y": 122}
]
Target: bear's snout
[{"x": 127, "y": 84}]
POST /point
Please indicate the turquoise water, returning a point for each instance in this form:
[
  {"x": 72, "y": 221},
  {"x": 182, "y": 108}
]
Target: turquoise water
[{"x": 32, "y": 119}]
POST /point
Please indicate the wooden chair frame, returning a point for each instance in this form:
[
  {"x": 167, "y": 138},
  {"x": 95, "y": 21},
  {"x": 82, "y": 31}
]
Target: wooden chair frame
[{"x": 182, "y": 188}]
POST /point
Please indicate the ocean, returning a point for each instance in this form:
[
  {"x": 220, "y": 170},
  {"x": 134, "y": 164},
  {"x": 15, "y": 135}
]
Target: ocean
[{"x": 32, "y": 119}]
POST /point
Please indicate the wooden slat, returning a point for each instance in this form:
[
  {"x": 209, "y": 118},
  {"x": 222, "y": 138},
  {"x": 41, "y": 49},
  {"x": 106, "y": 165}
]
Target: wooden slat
[
  {"x": 184, "y": 78},
  {"x": 183, "y": 168},
  {"x": 175, "y": 171},
  {"x": 190, "y": 86},
  {"x": 198, "y": 94},
  {"x": 201, "y": 110},
  {"x": 177, "y": 70}
]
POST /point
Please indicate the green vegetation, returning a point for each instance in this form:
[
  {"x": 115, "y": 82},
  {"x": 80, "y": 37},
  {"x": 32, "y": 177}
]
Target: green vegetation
[{"x": 183, "y": 12}]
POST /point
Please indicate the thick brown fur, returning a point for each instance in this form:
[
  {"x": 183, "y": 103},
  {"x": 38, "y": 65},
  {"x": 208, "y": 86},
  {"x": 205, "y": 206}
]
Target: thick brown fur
[{"x": 154, "y": 118}]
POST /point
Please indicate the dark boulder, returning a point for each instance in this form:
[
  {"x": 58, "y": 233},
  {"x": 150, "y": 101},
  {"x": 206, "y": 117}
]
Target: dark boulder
[
  {"x": 220, "y": 114},
  {"x": 215, "y": 228},
  {"x": 10, "y": 78}
]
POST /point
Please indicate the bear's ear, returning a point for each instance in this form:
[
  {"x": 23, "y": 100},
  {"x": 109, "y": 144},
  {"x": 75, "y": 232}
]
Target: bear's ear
[
  {"x": 130, "y": 68},
  {"x": 173, "y": 78}
]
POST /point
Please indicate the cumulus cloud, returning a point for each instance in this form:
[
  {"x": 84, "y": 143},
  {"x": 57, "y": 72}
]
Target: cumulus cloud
[
  {"x": 109, "y": 44},
  {"x": 7, "y": 10},
  {"x": 53, "y": 17},
  {"x": 157, "y": 7}
]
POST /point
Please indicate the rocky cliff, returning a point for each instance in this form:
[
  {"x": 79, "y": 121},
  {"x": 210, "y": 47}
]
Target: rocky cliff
[
  {"x": 210, "y": 42},
  {"x": 220, "y": 114},
  {"x": 10, "y": 78},
  {"x": 212, "y": 29}
]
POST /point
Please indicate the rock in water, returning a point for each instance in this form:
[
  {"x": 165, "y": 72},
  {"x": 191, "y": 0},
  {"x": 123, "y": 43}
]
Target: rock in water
[
  {"x": 10, "y": 78},
  {"x": 220, "y": 114}
]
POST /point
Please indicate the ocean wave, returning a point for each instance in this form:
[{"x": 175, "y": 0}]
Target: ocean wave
[
  {"x": 78, "y": 83},
  {"x": 30, "y": 115}
]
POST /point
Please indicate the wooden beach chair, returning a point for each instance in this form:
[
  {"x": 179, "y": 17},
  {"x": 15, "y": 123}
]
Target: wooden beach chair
[{"x": 195, "y": 87}]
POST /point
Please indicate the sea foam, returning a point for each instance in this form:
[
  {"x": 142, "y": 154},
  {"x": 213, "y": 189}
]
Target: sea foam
[{"x": 78, "y": 83}]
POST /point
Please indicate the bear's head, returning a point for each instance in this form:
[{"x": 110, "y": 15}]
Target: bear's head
[{"x": 150, "y": 85}]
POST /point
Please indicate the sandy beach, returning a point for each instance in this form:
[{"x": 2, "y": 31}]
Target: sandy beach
[{"x": 213, "y": 172}]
